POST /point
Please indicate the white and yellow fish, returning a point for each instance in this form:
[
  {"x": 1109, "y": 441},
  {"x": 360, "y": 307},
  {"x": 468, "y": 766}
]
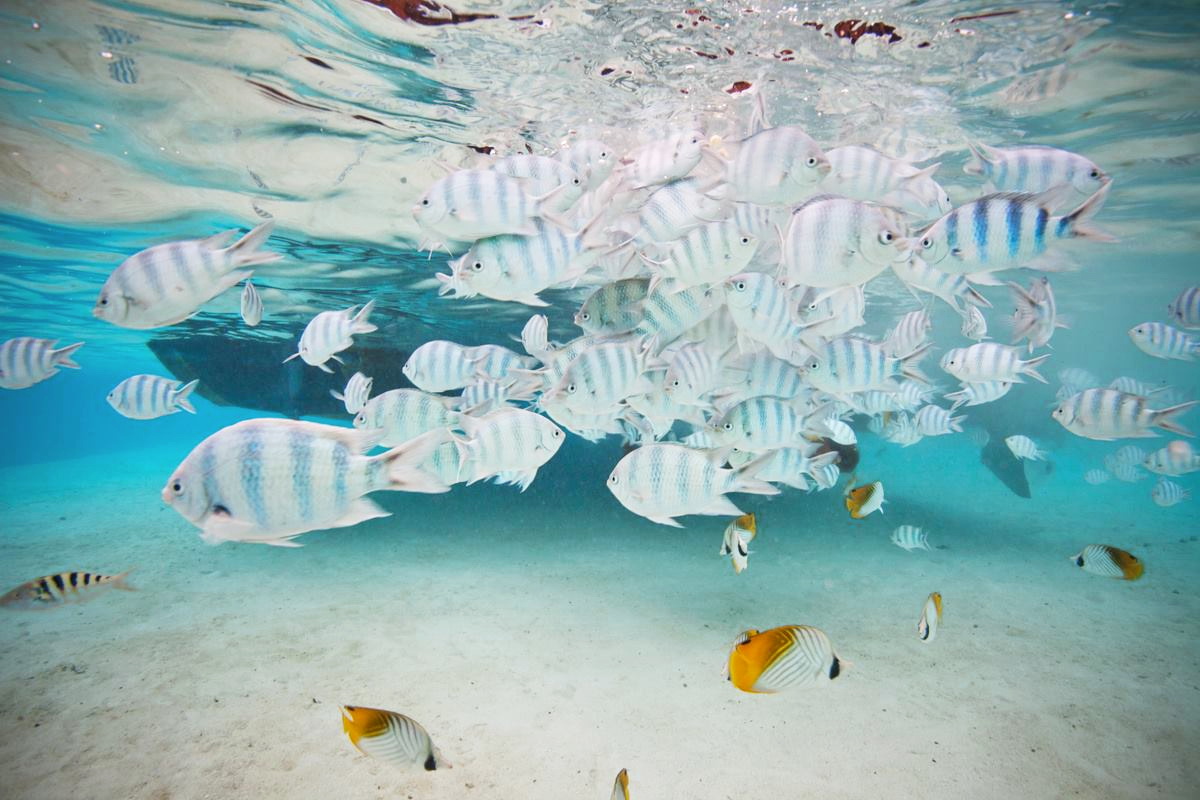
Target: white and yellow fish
[
  {"x": 391, "y": 737},
  {"x": 1109, "y": 561},
  {"x": 738, "y": 535},
  {"x": 861, "y": 501},
  {"x": 621, "y": 786},
  {"x": 782, "y": 658},
  {"x": 931, "y": 618}
]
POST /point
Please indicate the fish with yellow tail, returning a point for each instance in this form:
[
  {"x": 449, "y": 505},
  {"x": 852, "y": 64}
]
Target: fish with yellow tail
[
  {"x": 52, "y": 591},
  {"x": 621, "y": 786},
  {"x": 1109, "y": 561},
  {"x": 392, "y": 737},
  {"x": 861, "y": 501},
  {"x": 765, "y": 662},
  {"x": 738, "y": 536},
  {"x": 931, "y": 618}
]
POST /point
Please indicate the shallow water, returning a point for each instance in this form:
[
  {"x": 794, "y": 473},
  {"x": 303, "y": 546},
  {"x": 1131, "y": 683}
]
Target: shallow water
[{"x": 549, "y": 638}]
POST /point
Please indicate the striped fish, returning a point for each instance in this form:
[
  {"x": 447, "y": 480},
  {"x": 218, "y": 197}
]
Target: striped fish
[
  {"x": 831, "y": 313},
  {"x": 1185, "y": 309},
  {"x": 678, "y": 207},
  {"x": 1096, "y": 477},
  {"x": 834, "y": 242},
  {"x": 1128, "y": 456},
  {"x": 736, "y": 543},
  {"x": 252, "y": 305},
  {"x": 150, "y": 397},
  {"x": 902, "y": 430},
  {"x": 670, "y": 312},
  {"x": 403, "y": 414},
  {"x": 833, "y": 428},
  {"x": 863, "y": 500},
  {"x": 486, "y": 395},
  {"x": 1107, "y": 414},
  {"x": 1005, "y": 231},
  {"x": 916, "y": 274},
  {"x": 391, "y": 737},
  {"x": 1128, "y": 473},
  {"x": 761, "y": 373},
  {"x": 590, "y": 159},
  {"x": 853, "y": 364},
  {"x": 270, "y": 480},
  {"x": 52, "y": 591},
  {"x": 974, "y": 324},
  {"x": 989, "y": 361},
  {"x": 663, "y": 160},
  {"x": 330, "y": 332},
  {"x": 664, "y": 481},
  {"x": 694, "y": 371},
  {"x": 1036, "y": 317},
  {"x": 1177, "y": 458},
  {"x": 791, "y": 465},
  {"x": 472, "y": 204},
  {"x": 535, "y": 337},
  {"x": 509, "y": 440},
  {"x": 614, "y": 308},
  {"x": 1034, "y": 168},
  {"x": 931, "y": 618},
  {"x": 1163, "y": 341},
  {"x": 439, "y": 366},
  {"x": 25, "y": 361},
  {"x": 707, "y": 254},
  {"x": 909, "y": 334},
  {"x": 826, "y": 476},
  {"x": 544, "y": 177},
  {"x": 1167, "y": 493},
  {"x": 445, "y": 464},
  {"x": 355, "y": 395},
  {"x": 910, "y": 537},
  {"x": 168, "y": 283},
  {"x": 1076, "y": 379},
  {"x": 978, "y": 392},
  {"x": 621, "y": 786},
  {"x": 760, "y": 306},
  {"x": 935, "y": 421},
  {"x": 762, "y": 423},
  {"x": 1025, "y": 448},
  {"x": 601, "y": 376},
  {"x": 777, "y": 166},
  {"x": 1110, "y": 562},
  {"x": 864, "y": 173},
  {"x": 788, "y": 657},
  {"x": 495, "y": 362},
  {"x": 660, "y": 411}
]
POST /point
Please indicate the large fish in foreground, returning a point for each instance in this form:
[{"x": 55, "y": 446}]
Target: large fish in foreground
[{"x": 270, "y": 480}]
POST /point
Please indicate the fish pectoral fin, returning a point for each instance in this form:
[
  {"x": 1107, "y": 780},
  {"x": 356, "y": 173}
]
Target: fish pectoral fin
[
  {"x": 665, "y": 521},
  {"x": 222, "y": 527}
]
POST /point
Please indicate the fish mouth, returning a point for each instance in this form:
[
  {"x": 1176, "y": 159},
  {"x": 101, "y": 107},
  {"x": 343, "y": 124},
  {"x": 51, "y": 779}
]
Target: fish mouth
[{"x": 166, "y": 495}]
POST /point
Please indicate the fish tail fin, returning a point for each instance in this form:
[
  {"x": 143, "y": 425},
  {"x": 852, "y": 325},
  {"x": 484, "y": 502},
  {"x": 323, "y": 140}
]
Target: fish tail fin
[
  {"x": 403, "y": 465},
  {"x": 245, "y": 251},
  {"x": 62, "y": 356},
  {"x": 1165, "y": 418},
  {"x": 909, "y": 364},
  {"x": 746, "y": 482},
  {"x": 120, "y": 582},
  {"x": 181, "y": 396},
  {"x": 1030, "y": 368},
  {"x": 1077, "y": 220},
  {"x": 359, "y": 323}
]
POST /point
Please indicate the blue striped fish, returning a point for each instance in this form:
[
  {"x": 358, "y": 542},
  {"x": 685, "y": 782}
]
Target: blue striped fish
[
  {"x": 331, "y": 332},
  {"x": 670, "y": 312},
  {"x": 678, "y": 207},
  {"x": 706, "y": 255},
  {"x": 1107, "y": 414},
  {"x": 25, "y": 361},
  {"x": 854, "y": 364},
  {"x": 1185, "y": 309},
  {"x": 761, "y": 308},
  {"x": 510, "y": 442},
  {"x": 833, "y": 242},
  {"x": 591, "y": 160},
  {"x": 149, "y": 397},
  {"x": 777, "y": 166},
  {"x": 603, "y": 375},
  {"x": 404, "y": 414},
  {"x": 271, "y": 480},
  {"x": 615, "y": 307},
  {"x": 472, "y": 204},
  {"x": 167, "y": 283},
  {"x": 440, "y": 366},
  {"x": 1034, "y": 168},
  {"x": 1162, "y": 341},
  {"x": 916, "y": 274},
  {"x": 762, "y": 423},
  {"x": 544, "y": 177}
]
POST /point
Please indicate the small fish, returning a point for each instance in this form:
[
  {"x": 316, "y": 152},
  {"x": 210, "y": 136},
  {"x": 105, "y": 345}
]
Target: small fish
[
  {"x": 662, "y": 161},
  {"x": 403, "y": 414},
  {"x": 791, "y": 656},
  {"x": 150, "y": 397},
  {"x": 909, "y": 334},
  {"x": 52, "y": 591},
  {"x": 1177, "y": 458},
  {"x": 614, "y": 308},
  {"x": 835, "y": 242},
  {"x": 1163, "y": 341},
  {"x": 1034, "y": 168},
  {"x": 440, "y": 366},
  {"x": 738, "y": 535},
  {"x": 864, "y": 173},
  {"x": 1185, "y": 309},
  {"x": 777, "y": 166},
  {"x": 25, "y": 361},
  {"x": 1096, "y": 476},
  {"x": 989, "y": 361},
  {"x": 1036, "y": 316},
  {"x": 916, "y": 274},
  {"x": 1025, "y": 448},
  {"x": 472, "y": 204},
  {"x": 978, "y": 393},
  {"x": 934, "y": 420},
  {"x": 854, "y": 364},
  {"x": 1111, "y": 562},
  {"x": 862, "y": 500},
  {"x": 974, "y": 324},
  {"x": 1128, "y": 456},
  {"x": 391, "y": 737},
  {"x": 621, "y": 786},
  {"x": 910, "y": 537},
  {"x": 931, "y": 618},
  {"x": 1106, "y": 414},
  {"x": 591, "y": 160},
  {"x": 839, "y": 431},
  {"x": 330, "y": 332},
  {"x": 252, "y": 305},
  {"x": 1167, "y": 493},
  {"x": 355, "y": 395},
  {"x": 535, "y": 337},
  {"x": 509, "y": 441}
]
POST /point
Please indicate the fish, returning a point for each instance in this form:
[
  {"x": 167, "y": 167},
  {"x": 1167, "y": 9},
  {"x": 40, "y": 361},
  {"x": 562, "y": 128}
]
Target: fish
[
  {"x": 679, "y": 206},
  {"x": 909, "y": 334},
  {"x": 931, "y": 618},
  {"x": 356, "y": 393},
  {"x": 472, "y": 204},
  {"x": 1128, "y": 456},
  {"x": 936, "y": 421},
  {"x": 736, "y": 544},
  {"x": 544, "y": 177},
  {"x": 974, "y": 325},
  {"x": 52, "y": 591},
  {"x": 603, "y": 375},
  {"x": 150, "y": 396},
  {"x": 509, "y": 441},
  {"x": 782, "y": 165},
  {"x": 861, "y": 501},
  {"x": 1036, "y": 317},
  {"x": 614, "y": 308},
  {"x": 759, "y": 305},
  {"x": 1025, "y": 448},
  {"x": 864, "y": 173},
  {"x": 1177, "y": 458},
  {"x": 495, "y": 362},
  {"x": 165, "y": 284},
  {"x": 1185, "y": 309},
  {"x": 1163, "y": 341},
  {"x": 391, "y": 737},
  {"x": 591, "y": 160},
  {"x": 787, "y": 657},
  {"x": 252, "y": 305},
  {"x": 839, "y": 432},
  {"x": 1034, "y": 168},
  {"x": 853, "y": 364},
  {"x": 664, "y": 481},
  {"x": 25, "y": 361},
  {"x": 708, "y": 254},
  {"x": 670, "y": 312},
  {"x": 535, "y": 337},
  {"x": 989, "y": 361},
  {"x": 830, "y": 313},
  {"x": 790, "y": 465},
  {"x": 663, "y": 160},
  {"x": 950, "y": 289},
  {"x": 1006, "y": 231},
  {"x": 693, "y": 373},
  {"x": 1096, "y": 476},
  {"x": 621, "y": 786},
  {"x": 1167, "y": 493},
  {"x": 1107, "y": 414},
  {"x": 403, "y": 414},
  {"x": 832, "y": 242},
  {"x": 330, "y": 332},
  {"x": 1110, "y": 562},
  {"x": 440, "y": 366},
  {"x": 762, "y": 423},
  {"x": 910, "y": 537},
  {"x": 271, "y": 480},
  {"x": 978, "y": 392}
]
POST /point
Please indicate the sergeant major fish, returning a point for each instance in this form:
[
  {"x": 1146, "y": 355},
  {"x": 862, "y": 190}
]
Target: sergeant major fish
[
  {"x": 25, "y": 361},
  {"x": 150, "y": 396}
]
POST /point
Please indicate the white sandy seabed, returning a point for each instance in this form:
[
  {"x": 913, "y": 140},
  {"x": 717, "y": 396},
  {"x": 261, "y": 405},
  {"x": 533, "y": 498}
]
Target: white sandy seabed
[{"x": 545, "y": 645}]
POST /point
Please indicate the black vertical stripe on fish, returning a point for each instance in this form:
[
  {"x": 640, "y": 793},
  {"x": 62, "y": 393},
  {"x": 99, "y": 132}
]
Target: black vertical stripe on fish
[
  {"x": 74, "y": 579},
  {"x": 59, "y": 582},
  {"x": 980, "y": 225}
]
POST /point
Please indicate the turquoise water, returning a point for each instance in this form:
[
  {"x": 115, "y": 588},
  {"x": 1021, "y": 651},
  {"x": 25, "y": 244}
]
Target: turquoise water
[{"x": 548, "y": 639}]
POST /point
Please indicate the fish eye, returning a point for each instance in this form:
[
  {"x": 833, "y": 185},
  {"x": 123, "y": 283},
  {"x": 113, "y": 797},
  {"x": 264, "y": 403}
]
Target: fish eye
[
  {"x": 612, "y": 479},
  {"x": 814, "y": 364},
  {"x": 728, "y": 426},
  {"x": 740, "y": 286},
  {"x": 585, "y": 316},
  {"x": 177, "y": 487},
  {"x": 425, "y": 202},
  {"x": 575, "y": 181},
  {"x": 570, "y": 388},
  {"x": 886, "y": 237},
  {"x": 745, "y": 240},
  {"x": 675, "y": 383},
  {"x": 927, "y": 243},
  {"x": 557, "y": 433},
  {"x": 477, "y": 266},
  {"x": 1095, "y": 173},
  {"x": 811, "y": 161}
]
